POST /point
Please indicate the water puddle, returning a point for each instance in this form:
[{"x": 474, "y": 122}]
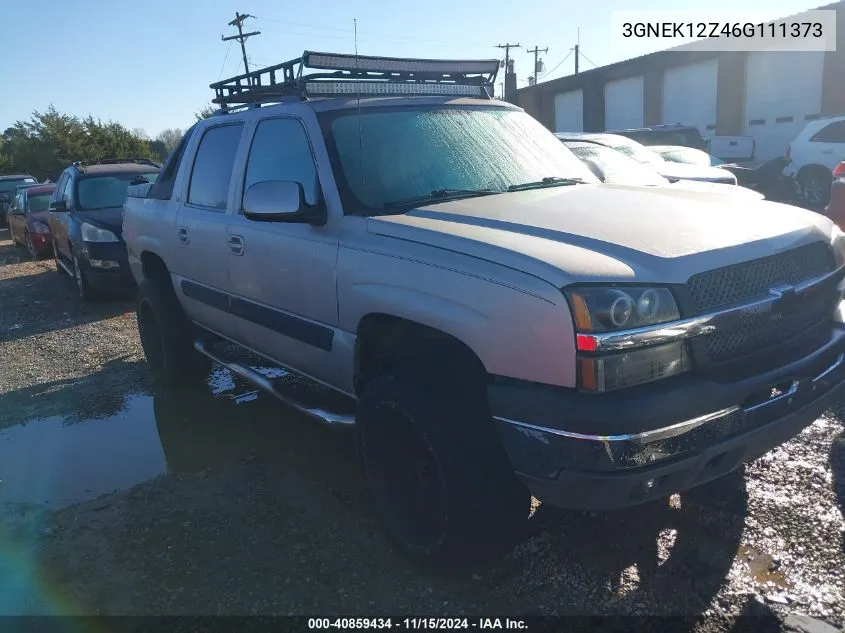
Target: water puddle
[
  {"x": 52, "y": 463},
  {"x": 100, "y": 440}
]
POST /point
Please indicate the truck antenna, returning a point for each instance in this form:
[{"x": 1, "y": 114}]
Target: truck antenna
[{"x": 358, "y": 95}]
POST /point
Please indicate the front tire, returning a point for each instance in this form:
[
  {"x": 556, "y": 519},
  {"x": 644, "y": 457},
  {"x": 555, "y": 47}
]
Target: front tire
[
  {"x": 440, "y": 480},
  {"x": 59, "y": 268},
  {"x": 30, "y": 247},
  {"x": 167, "y": 337},
  {"x": 83, "y": 287},
  {"x": 814, "y": 185}
]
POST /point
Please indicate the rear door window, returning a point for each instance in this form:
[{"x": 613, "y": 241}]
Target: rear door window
[
  {"x": 833, "y": 133},
  {"x": 162, "y": 187},
  {"x": 212, "y": 171}
]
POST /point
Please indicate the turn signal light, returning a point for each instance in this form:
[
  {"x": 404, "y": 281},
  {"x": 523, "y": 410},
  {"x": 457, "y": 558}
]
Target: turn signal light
[{"x": 839, "y": 171}]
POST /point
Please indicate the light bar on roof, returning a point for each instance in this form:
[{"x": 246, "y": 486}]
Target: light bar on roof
[
  {"x": 379, "y": 88},
  {"x": 330, "y": 61}
]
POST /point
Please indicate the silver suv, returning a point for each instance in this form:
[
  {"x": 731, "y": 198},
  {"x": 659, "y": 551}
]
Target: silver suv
[{"x": 451, "y": 279}]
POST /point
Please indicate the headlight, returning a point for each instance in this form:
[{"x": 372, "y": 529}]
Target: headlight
[
  {"x": 91, "y": 233},
  {"x": 598, "y": 309},
  {"x": 609, "y": 309},
  {"x": 40, "y": 227}
]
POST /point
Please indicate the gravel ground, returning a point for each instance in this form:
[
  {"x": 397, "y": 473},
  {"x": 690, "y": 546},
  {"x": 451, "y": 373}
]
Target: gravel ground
[{"x": 251, "y": 509}]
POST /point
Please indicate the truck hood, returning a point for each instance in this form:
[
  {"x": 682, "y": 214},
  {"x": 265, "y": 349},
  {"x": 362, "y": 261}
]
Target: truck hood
[
  {"x": 40, "y": 216},
  {"x": 692, "y": 172},
  {"x": 111, "y": 218},
  {"x": 608, "y": 232},
  {"x": 717, "y": 187}
]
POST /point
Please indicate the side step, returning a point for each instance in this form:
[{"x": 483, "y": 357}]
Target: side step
[
  {"x": 65, "y": 267},
  {"x": 288, "y": 389}
]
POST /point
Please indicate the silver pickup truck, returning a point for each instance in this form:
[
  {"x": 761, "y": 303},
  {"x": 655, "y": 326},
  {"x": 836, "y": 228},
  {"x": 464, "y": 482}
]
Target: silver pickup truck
[{"x": 434, "y": 266}]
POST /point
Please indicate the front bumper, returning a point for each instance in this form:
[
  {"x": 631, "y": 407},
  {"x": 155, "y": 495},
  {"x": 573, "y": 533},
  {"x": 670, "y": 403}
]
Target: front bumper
[
  {"x": 608, "y": 451},
  {"x": 94, "y": 257}
]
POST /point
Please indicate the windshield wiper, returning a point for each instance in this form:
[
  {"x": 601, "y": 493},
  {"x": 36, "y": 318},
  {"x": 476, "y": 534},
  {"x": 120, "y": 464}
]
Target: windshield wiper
[
  {"x": 548, "y": 181},
  {"x": 440, "y": 194}
]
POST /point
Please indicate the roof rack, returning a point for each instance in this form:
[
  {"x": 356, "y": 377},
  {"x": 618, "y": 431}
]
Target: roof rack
[
  {"x": 116, "y": 161},
  {"x": 357, "y": 75}
]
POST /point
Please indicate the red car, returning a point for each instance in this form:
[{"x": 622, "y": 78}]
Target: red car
[
  {"x": 27, "y": 219},
  {"x": 835, "y": 209}
]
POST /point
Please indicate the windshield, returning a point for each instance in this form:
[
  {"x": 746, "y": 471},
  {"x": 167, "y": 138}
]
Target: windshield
[
  {"x": 8, "y": 186},
  {"x": 382, "y": 157},
  {"x": 691, "y": 157},
  {"x": 103, "y": 192},
  {"x": 614, "y": 167},
  {"x": 36, "y": 204}
]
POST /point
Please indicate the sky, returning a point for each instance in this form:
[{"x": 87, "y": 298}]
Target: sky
[{"x": 148, "y": 64}]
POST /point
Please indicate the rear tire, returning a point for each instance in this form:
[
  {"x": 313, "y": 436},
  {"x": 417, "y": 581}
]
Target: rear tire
[
  {"x": 814, "y": 186},
  {"x": 167, "y": 337},
  {"x": 439, "y": 477}
]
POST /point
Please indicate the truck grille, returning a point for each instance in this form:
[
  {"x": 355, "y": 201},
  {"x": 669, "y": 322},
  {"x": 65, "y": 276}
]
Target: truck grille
[{"x": 751, "y": 281}]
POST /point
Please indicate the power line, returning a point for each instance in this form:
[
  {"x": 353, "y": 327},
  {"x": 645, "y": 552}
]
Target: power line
[
  {"x": 558, "y": 65},
  {"x": 508, "y": 48},
  {"x": 241, "y": 36},
  {"x": 537, "y": 50},
  {"x": 225, "y": 59},
  {"x": 589, "y": 60},
  {"x": 367, "y": 33}
]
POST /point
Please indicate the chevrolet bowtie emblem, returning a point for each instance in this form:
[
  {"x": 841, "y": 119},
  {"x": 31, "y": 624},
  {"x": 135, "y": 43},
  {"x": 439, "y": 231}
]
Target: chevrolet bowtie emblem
[{"x": 786, "y": 299}]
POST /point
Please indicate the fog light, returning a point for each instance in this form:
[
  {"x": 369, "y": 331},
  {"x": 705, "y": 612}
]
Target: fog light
[
  {"x": 104, "y": 263},
  {"x": 607, "y": 373}
]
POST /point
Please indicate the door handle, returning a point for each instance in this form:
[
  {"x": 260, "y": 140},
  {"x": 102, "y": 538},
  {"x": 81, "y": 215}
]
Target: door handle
[
  {"x": 236, "y": 244},
  {"x": 184, "y": 235}
]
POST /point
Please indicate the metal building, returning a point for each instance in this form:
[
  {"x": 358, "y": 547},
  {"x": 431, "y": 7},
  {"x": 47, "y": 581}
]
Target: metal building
[{"x": 767, "y": 95}]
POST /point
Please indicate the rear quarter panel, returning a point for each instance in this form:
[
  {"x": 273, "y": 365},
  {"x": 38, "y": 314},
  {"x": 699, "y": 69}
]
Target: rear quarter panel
[{"x": 148, "y": 225}]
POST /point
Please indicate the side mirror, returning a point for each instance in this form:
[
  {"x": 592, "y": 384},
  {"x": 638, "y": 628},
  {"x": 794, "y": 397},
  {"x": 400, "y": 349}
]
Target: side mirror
[
  {"x": 59, "y": 206},
  {"x": 280, "y": 201}
]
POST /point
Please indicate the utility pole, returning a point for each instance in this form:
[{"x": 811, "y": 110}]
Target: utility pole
[
  {"x": 536, "y": 51},
  {"x": 508, "y": 48},
  {"x": 577, "y": 43},
  {"x": 241, "y": 36}
]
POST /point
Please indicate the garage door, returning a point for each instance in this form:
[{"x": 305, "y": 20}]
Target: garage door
[
  {"x": 689, "y": 96},
  {"x": 569, "y": 111},
  {"x": 782, "y": 89},
  {"x": 623, "y": 103}
]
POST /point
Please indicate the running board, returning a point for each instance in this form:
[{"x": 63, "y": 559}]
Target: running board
[
  {"x": 65, "y": 267},
  {"x": 266, "y": 384}
]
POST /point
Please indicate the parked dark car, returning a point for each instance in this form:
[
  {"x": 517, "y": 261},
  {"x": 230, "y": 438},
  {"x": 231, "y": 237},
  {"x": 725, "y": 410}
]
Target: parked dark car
[
  {"x": 28, "y": 219},
  {"x": 8, "y": 185},
  {"x": 86, "y": 222},
  {"x": 835, "y": 208}
]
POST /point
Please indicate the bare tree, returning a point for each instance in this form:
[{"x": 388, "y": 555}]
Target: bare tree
[
  {"x": 170, "y": 137},
  {"x": 141, "y": 133}
]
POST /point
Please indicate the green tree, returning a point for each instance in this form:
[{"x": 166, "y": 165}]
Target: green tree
[
  {"x": 49, "y": 141},
  {"x": 206, "y": 112}
]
